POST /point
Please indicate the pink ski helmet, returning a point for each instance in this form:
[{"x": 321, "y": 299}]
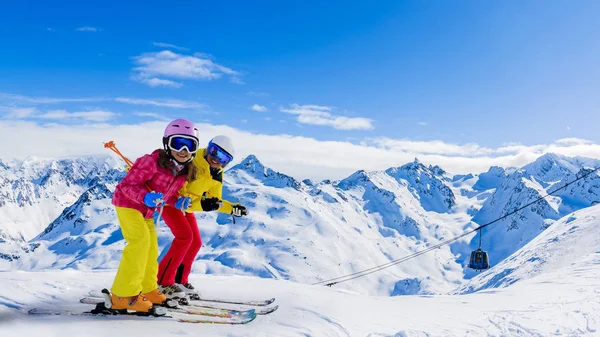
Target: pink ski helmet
[
  {"x": 180, "y": 134},
  {"x": 181, "y": 127}
]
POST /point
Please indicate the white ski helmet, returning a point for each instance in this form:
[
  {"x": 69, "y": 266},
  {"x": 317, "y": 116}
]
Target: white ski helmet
[{"x": 223, "y": 143}]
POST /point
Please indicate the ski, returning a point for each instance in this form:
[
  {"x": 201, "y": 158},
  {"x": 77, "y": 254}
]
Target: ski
[
  {"x": 190, "y": 310},
  {"x": 101, "y": 311},
  {"x": 260, "y": 310},
  {"x": 206, "y": 309},
  {"x": 259, "y": 303}
]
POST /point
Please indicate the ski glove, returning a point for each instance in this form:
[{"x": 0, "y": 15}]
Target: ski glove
[
  {"x": 153, "y": 199},
  {"x": 183, "y": 203},
  {"x": 239, "y": 210},
  {"x": 210, "y": 204}
]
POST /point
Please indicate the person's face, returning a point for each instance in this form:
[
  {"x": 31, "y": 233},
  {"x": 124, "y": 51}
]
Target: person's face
[
  {"x": 212, "y": 161},
  {"x": 181, "y": 156}
]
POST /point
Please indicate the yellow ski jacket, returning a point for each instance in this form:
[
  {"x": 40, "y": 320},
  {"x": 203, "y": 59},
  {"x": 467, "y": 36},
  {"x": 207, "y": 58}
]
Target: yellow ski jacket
[{"x": 209, "y": 183}]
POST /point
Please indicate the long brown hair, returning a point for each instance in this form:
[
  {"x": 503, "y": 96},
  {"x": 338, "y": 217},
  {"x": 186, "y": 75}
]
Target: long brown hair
[{"x": 189, "y": 168}]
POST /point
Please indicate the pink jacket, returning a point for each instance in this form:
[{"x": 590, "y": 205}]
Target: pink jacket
[{"x": 131, "y": 190}]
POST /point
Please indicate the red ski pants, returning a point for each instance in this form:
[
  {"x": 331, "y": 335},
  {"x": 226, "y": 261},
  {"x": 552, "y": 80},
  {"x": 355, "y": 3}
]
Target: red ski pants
[{"x": 177, "y": 263}]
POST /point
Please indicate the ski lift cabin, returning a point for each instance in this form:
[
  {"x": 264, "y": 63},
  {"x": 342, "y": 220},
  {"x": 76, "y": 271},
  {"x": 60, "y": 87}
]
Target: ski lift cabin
[{"x": 479, "y": 260}]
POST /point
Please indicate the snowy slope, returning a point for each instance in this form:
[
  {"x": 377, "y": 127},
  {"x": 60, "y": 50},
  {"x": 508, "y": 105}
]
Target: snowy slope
[
  {"x": 513, "y": 188},
  {"x": 558, "y": 294},
  {"x": 562, "y": 302},
  {"x": 571, "y": 239}
]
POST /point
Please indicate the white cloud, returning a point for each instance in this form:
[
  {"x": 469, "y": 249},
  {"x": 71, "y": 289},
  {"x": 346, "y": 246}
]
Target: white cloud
[
  {"x": 321, "y": 115},
  {"x": 156, "y": 82},
  {"x": 20, "y": 99},
  {"x": 573, "y": 141},
  {"x": 168, "y": 45},
  {"x": 170, "y": 103},
  {"x": 310, "y": 158},
  {"x": 257, "y": 94},
  {"x": 18, "y": 113},
  {"x": 434, "y": 147},
  {"x": 88, "y": 29},
  {"x": 152, "y": 68},
  {"x": 259, "y": 108},
  {"x": 93, "y": 116},
  {"x": 152, "y": 115},
  {"x": 204, "y": 55},
  {"x": 423, "y": 123},
  {"x": 236, "y": 80}
]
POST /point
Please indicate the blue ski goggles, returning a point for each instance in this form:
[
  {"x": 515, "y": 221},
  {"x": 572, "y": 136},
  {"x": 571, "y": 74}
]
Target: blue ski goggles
[
  {"x": 180, "y": 142},
  {"x": 218, "y": 153}
]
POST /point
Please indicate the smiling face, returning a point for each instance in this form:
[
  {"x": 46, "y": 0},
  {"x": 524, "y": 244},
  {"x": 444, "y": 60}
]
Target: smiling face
[
  {"x": 212, "y": 161},
  {"x": 181, "y": 156}
]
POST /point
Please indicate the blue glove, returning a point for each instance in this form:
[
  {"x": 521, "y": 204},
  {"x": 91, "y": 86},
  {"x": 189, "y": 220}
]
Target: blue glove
[
  {"x": 183, "y": 203},
  {"x": 153, "y": 199}
]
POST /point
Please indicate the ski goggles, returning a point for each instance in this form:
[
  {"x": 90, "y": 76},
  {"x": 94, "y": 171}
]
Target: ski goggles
[
  {"x": 218, "y": 153},
  {"x": 180, "y": 142}
]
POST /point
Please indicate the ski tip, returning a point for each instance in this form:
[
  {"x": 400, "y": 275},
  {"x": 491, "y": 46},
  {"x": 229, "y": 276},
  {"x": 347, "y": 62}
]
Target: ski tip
[
  {"x": 267, "y": 311},
  {"x": 105, "y": 291}
]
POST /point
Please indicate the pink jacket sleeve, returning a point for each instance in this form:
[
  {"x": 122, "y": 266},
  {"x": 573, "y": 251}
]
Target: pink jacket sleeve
[{"x": 134, "y": 183}]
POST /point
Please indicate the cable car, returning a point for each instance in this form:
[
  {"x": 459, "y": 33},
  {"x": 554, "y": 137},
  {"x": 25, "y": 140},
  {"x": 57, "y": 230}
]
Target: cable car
[{"x": 479, "y": 258}]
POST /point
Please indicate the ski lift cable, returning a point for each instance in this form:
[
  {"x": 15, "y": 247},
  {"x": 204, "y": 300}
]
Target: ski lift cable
[{"x": 333, "y": 281}]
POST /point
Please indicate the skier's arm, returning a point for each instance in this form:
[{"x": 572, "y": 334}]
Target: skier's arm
[
  {"x": 217, "y": 192},
  {"x": 134, "y": 183}
]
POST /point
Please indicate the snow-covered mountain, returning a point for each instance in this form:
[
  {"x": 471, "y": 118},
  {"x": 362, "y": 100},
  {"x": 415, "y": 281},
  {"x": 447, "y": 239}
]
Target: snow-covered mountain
[
  {"x": 34, "y": 192},
  {"x": 300, "y": 231},
  {"x": 514, "y": 188},
  {"x": 573, "y": 238}
]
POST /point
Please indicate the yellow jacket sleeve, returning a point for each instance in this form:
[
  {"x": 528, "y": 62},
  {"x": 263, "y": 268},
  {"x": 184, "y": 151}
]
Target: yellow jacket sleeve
[
  {"x": 207, "y": 185},
  {"x": 226, "y": 206},
  {"x": 217, "y": 192}
]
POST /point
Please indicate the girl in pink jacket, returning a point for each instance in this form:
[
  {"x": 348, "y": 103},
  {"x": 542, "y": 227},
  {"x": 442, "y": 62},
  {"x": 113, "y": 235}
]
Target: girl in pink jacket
[{"x": 152, "y": 181}]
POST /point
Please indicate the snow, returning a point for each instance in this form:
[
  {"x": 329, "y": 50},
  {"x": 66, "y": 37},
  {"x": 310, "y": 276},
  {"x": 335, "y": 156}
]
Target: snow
[
  {"x": 561, "y": 302},
  {"x": 566, "y": 241},
  {"x": 59, "y": 238}
]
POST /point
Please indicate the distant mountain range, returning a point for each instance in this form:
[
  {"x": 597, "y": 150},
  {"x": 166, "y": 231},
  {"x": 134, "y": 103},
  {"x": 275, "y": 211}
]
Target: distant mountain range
[{"x": 57, "y": 214}]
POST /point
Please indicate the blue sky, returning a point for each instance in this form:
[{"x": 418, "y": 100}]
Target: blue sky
[{"x": 460, "y": 73}]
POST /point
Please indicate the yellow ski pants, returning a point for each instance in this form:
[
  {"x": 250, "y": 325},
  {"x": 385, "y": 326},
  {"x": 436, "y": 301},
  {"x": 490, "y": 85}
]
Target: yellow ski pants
[{"x": 138, "y": 269}]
